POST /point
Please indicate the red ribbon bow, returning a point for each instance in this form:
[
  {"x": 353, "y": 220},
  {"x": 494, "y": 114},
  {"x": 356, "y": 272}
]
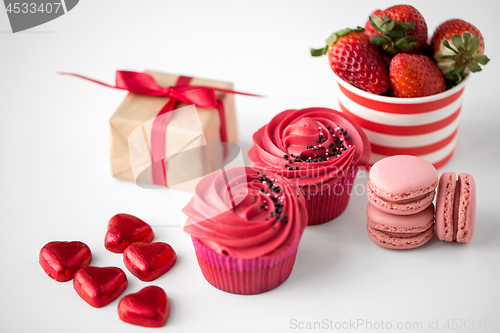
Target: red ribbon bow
[{"x": 144, "y": 84}]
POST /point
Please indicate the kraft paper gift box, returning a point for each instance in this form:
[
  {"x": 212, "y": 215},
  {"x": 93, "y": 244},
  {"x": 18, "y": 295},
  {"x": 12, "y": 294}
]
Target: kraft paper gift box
[{"x": 137, "y": 113}]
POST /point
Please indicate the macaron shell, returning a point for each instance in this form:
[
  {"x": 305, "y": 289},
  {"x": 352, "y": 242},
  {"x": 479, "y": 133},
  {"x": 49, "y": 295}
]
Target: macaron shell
[
  {"x": 445, "y": 206},
  {"x": 403, "y": 177},
  {"x": 399, "y": 243},
  {"x": 405, "y": 208},
  {"x": 400, "y": 225},
  {"x": 466, "y": 214},
  {"x": 456, "y": 208}
]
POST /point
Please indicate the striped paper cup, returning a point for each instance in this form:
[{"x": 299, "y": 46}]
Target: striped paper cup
[{"x": 425, "y": 126}]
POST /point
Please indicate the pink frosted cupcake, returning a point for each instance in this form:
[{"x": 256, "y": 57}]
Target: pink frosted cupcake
[
  {"x": 318, "y": 149},
  {"x": 246, "y": 225}
]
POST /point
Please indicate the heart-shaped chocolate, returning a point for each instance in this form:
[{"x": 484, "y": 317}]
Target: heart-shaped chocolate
[
  {"x": 61, "y": 260},
  {"x": 125, "y": 229},
  {"x": 149, "y": 307},
  {"x": 100, "y": 286},
  {"x": 148, "y": 261}
]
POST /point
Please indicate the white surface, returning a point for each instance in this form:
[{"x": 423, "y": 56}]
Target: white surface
[{"x": 56, "y": 183}]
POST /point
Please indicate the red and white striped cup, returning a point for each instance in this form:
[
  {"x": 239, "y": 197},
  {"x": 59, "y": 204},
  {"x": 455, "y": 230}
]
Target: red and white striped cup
[{"x": 425, "y": 126}]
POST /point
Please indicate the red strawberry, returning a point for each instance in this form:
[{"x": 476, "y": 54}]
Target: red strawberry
[
  {"x": 415, "y": 75},
  {"x": 397, "y": 29},
  {"x": 458, "y": 47},
  {"x": 355, "y": 60}
]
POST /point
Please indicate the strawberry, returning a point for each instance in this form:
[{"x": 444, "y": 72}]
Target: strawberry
[
  {"x": 355, "y": 60},
  {"x": 458, "y": 47},
  {"x": 415, "y": 75},
  {"x": 397, "y": 29}
]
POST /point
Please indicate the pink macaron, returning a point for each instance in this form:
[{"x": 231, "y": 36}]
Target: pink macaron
[
  {"x": 402, "y": 184},
  {"x": 400, "y": 232},
  {"x": 456, "y": 207}
]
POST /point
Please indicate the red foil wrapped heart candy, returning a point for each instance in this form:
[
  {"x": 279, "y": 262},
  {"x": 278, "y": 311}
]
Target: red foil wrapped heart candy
[
  {"x": 148, "y": 261},
  {"x": 100, "y": 286},
  {"x": 125, "y": 229},
  {"x": 61, "y": 260},
  {"x": 149, "y": 307}
]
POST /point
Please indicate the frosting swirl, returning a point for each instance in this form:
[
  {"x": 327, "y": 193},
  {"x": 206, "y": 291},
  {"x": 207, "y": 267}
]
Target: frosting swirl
[
  {"x": 246, "y": 213},
  {"x": 311, "y": 146}
]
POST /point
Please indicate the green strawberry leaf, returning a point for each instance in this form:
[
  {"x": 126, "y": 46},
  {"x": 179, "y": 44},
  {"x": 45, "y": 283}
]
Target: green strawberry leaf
[
  {"x": 474, "y": 45},
  {"x": 454, "y": 76},
  {"x": 407, "y": 25},
  {"x": 450, "y": 76},
  {"x": 318, "y": 52},
  {"x": 483, "y": 60},
  {"x": 343, "y": 32},
  {"x": 332, "y": 39},
  {"x": 397, "y": 34},
  {"x": 473, "y": 67},
  {"x": 379, "y": 40},
  {"x": 377, "y": 23},
  {"x": 457, "y": 42},
  {"x": 448, "y": 46},
  {"x": 391, "y": 50},
  {"x": 406, "y": 43},
  {"x": 444, "y": 57},
  {"x": 467, "y": 37},
  {"x": 391, "y": 25}
]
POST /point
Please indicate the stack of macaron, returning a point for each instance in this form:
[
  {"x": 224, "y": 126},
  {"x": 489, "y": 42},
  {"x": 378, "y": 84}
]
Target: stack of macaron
[{"x": 400, "y": 213}]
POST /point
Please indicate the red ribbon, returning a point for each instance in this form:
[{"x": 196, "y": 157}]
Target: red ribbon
[{"x": 144, "y": 84}]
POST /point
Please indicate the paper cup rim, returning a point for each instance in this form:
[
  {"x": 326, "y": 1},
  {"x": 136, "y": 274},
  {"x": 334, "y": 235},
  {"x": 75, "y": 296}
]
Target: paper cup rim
[{"x": 398, "y": 100}]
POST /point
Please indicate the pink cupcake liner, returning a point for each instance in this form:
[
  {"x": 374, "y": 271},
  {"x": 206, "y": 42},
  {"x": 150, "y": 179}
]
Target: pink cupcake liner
[
  {"x": 244, "y": 276},
  {"x": 327, "y": 204}
]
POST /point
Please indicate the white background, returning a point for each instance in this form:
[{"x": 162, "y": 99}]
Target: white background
[{"x": 56, "y": 183}]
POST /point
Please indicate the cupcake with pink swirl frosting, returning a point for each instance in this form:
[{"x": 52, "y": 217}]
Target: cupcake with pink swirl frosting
[
  {"x": 246, "y": 224},
  {"x": 318, "y": 149}
]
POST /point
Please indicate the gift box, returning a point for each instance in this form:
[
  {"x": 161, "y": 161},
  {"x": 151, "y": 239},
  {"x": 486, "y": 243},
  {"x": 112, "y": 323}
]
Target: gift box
[
  {"x": 133, "y": 130},
  {"x": 426, "y": 127}
]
